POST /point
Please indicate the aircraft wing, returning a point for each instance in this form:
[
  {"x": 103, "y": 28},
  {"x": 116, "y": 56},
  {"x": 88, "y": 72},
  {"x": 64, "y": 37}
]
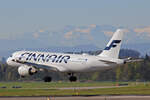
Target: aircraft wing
[
  {"x": 50, "y": 67},
  {"x": 128, "y": 60},
  {"x": 136, "y": 60},
  {"x": 108, "y": 62}
]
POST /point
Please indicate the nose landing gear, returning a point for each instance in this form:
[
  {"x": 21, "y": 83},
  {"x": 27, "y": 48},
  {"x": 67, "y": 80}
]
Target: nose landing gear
[{"x": 72, "y": 78}]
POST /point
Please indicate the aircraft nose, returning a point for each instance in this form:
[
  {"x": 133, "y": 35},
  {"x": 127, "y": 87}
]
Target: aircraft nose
[{"x": 8, "y": 61}]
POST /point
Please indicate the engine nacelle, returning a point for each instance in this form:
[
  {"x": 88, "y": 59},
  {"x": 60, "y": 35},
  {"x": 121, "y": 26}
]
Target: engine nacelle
[{"x": 26, "y": 70}]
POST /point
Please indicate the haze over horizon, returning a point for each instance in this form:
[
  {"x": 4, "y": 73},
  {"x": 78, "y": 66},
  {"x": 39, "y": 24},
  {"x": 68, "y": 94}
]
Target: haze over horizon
[{"x": 67, "y": 23}]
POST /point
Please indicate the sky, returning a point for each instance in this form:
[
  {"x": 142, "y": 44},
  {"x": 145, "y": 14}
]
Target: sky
[{"x": 21, "y": 17}]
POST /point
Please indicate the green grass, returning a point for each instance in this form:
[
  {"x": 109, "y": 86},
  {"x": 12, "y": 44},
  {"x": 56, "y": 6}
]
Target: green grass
[
  {"x": 55, "y": 84},
  {"x": 28, "y": 89}
]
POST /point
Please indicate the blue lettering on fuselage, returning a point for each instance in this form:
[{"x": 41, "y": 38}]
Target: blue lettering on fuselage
[
  {"x": 65, "y": 58},
  {"x": 45, "y": 57},
  {"x": 34, "y": 56},
  {"x": 28, "y": 58},
  {"x": 23, "y": 55}
]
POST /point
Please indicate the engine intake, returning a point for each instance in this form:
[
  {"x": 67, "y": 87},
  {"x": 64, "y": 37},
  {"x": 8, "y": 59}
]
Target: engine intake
[{"x": 26, "y": 70}]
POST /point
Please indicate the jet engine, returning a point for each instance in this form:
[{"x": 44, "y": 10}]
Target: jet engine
[{"x": 26, "y": 70}]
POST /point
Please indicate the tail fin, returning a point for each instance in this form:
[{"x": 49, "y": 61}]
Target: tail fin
[{"x": 113, "y": 47}]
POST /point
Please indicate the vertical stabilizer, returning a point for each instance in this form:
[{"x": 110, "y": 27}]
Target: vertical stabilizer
[{"x": 113, "y": 47}]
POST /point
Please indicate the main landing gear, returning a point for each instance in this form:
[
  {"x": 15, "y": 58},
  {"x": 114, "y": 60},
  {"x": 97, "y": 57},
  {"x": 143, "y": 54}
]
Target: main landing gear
[
  {"x": 72, "y": 78},
  {"x": 47, "y": 79}
]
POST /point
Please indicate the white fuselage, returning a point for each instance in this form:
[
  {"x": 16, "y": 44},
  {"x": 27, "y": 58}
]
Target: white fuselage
[{"x": 63, "y": 62}]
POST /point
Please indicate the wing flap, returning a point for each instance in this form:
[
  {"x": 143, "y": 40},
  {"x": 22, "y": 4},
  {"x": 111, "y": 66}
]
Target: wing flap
[
  {"x": 53, "y": 67},
  {"x": 108, "y": 62}
]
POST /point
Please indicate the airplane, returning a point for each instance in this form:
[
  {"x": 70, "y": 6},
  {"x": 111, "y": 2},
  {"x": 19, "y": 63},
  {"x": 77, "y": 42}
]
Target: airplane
[{"x": 29, "y": 62}]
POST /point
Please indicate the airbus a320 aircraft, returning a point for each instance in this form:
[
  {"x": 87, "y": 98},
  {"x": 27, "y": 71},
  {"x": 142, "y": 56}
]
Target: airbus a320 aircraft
[{"x": 29, "y": 62}]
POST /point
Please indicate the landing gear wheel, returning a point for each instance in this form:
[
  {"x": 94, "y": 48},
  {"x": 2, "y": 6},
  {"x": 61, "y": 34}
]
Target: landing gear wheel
[
  {"x": 22, "y": 76},
  {"x": 47, "y": 79},
  {"x": 72, "y": 78}
]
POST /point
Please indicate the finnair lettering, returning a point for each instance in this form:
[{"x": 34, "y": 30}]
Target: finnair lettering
[
  {"x": 113, "y": 44},
  {"x": 45, "y": 58}
]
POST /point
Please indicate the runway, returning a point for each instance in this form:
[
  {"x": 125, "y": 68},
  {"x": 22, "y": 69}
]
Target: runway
[
  {"x": 79, "y": 88},
  {"x": 80, "y": 98}
]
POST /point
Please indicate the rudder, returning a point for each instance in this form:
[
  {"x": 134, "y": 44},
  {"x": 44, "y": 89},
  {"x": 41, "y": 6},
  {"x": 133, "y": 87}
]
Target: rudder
[{"x": 113, "y": 47}]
